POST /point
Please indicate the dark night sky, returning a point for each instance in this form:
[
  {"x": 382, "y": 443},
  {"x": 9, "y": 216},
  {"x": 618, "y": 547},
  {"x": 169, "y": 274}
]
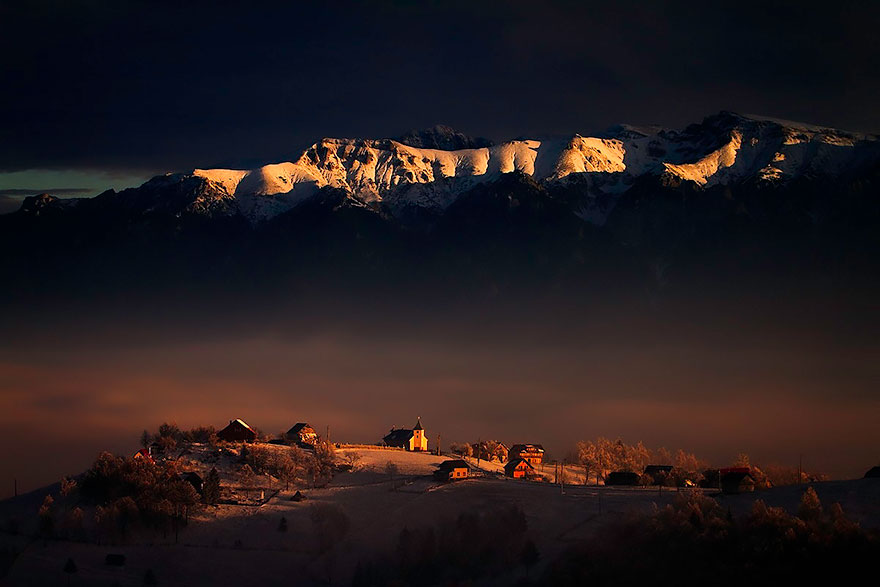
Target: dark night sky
[{"x": 142, "y": 86}]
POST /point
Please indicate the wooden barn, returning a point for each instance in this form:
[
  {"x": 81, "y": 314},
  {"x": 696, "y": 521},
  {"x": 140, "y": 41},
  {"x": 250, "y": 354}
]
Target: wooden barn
[
  {"x": 452, "y": 470},
  {"x": 519, "y": 469},
  {"x": 237, "y": 431},
  {"x": 302, "y": 434},
  {"x": 532, "y": 453},
  {"x": 410, "y": 439}
]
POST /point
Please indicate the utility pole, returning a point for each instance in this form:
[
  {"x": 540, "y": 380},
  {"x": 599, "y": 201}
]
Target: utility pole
[
  {"x": 328, "y": 433},
  {"x": 438, "y": 445},
  {"x": 562, "y": 479}
]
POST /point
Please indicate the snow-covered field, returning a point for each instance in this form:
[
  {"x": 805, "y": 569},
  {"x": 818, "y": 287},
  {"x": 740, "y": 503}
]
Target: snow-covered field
[{"x": 242, "y": 545}]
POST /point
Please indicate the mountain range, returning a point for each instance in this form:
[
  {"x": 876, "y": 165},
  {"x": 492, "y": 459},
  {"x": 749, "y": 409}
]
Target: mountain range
[{"x": 731, "y": 191}]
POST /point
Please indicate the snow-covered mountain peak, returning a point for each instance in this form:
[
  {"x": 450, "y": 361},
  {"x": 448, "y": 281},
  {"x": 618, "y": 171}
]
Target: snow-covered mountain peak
[
  {"x": 443, "y": 138},
  {"x": 401, "y": 175}
]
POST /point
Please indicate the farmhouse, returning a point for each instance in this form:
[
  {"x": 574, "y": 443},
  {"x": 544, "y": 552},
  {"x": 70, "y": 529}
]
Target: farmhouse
[
  {"x": 144, "y": 454},
  {"x": 452, "y": 470},
  {"x": 410, "y": 439},
  {"x": 519, "y": 469},
  {"x": 302, "y": 434},
  {"x": 237, "y": 431},
  {"x": 736, "y": 480},
  {"x": 533, "y": 453}
]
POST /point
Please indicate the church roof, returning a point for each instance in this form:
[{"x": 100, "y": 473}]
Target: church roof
[
  {"x": 418, "y": 425},
  {"x": 398, "y": 437}
]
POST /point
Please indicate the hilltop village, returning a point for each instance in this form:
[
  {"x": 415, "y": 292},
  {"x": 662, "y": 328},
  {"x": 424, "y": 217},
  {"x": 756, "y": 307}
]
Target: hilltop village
[
  {"x": 236, "y": 506},
  {"x": 521, "y": 461}
]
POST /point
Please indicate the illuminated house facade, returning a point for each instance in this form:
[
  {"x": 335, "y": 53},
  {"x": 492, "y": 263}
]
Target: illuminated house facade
[{"x": 531, "y": 453}]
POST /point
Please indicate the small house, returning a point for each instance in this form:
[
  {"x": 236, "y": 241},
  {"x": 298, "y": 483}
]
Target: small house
[
  {"x": 452, "y": 470},
  {"x": 143, "y": 454},
  {"x": 302, "y": 434},
  {"x": 519, "y": 469},
  {"x": 622, "y": 478},
  {"x": 193, "y": 479},
  {"x": 736, "y": 480},
  {"x": 237, "y": 431},
  {"x": 410, "y": 439},
  {"x": 533, "y": 453}
]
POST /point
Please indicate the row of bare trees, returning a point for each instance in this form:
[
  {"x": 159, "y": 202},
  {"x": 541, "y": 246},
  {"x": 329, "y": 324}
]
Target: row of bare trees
[
  {"x": 169, "y": 436},
  {"x": 602, "y": 456},
  {"x": 288, "y": 465},
  {"x": 486, "y": 450}
]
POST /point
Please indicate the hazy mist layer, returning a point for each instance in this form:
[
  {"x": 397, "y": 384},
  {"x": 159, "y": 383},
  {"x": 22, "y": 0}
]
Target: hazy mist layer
[{"x": 771, "y": 374}]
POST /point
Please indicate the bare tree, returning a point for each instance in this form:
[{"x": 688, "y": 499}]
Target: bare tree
[
  {"x": 323, "y": 460},
  {"x": 810, "y": 509},
  {"x": 742, "y": 460},
  {"x": 68, "y": 486},
  {"x": 462, "y": 449},
  {"x": 47, "y": 516},
  {"x": 211, "y": 487},
  {"x": 246, "y": 479},
  {"x": 73, "y": 524},
  {"x": 352, "y": 458}
]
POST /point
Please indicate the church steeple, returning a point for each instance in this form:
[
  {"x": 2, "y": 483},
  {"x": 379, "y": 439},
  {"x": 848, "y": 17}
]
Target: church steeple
[{"x": 418, "y": 425}]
